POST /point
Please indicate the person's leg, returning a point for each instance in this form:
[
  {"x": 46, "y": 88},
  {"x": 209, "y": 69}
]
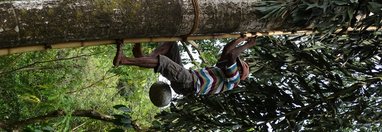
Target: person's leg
[
  {"x": 119, "y": 53},
  {"x": 137, "y": 50},
  {"x": 141, "y": 61},
  {"x": 181, "y": 79},
  {"x": 145, "y": 62},
  {"x": 173, "y": 53},
  {"x": 169, "y": 49},
  {"x": 162, "y": 49}
]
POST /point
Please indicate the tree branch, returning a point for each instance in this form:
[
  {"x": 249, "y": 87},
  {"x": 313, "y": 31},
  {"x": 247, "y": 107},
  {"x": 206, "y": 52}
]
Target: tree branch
[
  {"x": 91, "y": 85},
  {"x": 57, "y": 113},
  {"x": 196, "y": 47},
  {"x": 188, "y": 51},
  {"x": 11, "y": 63},
  {"x": 3, "y": 125},
  {"x": 40, "y": 62},
  {"x": 45, "y": 68},
  {"x": 93, "y": 115},
  {"x": 312, "y": 105}
]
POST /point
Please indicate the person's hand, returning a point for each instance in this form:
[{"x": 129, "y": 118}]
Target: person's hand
[
  {"x": 246, "y": 35},
  {"x": 243, "y": 37}
]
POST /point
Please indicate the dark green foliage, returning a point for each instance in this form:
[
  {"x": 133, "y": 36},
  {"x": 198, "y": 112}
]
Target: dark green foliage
[
  {"x": 299, "y": 82},
  {"x": 122, "y": 108},
  {"x": 37, "y": 83},
  {"x": 25, "y": 83},
  {"x": 324, "y": 82},
  {"x": 123, "y": 119},
  {"x": 322, "y": 15}
]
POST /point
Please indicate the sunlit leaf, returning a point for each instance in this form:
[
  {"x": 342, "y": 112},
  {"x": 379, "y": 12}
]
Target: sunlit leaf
[{"x": 30, "y": 98}]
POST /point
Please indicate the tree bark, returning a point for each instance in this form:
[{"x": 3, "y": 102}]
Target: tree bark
[{"x": 44, "y": 22}]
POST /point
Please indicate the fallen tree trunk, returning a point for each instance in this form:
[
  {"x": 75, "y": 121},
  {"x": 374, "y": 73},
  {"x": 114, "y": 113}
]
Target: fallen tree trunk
[
  {"x": 74, "y": 44},
  {"x": 27, "y": 25},
  {"x": 93, "y": 114},
  {"x": 45, "y": 22}
]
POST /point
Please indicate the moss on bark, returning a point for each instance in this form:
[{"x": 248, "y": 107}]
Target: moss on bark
[{"x": 53, "y": 21}]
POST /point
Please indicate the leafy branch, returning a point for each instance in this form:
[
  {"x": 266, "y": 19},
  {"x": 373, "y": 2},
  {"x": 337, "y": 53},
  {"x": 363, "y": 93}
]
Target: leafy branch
[
  {"x": 123, "y": 119},
  {"x": 322, "y": 15},
  {"x": 47, "y": 61},
  {"x": 93, "y": 84},
  {"x": 57, "y": 113}
]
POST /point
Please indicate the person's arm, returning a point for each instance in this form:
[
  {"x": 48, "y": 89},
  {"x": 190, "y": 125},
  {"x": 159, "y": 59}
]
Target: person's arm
[
  {"x": 233, "y": 54},
  {"x": 237, "y": 51},
  {"x": 232, "y": 45},
  {"x": 229, "y": 47}
]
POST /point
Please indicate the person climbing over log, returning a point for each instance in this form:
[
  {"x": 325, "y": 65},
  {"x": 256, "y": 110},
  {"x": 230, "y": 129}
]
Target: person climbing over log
[{"x": 165, "y": 59}]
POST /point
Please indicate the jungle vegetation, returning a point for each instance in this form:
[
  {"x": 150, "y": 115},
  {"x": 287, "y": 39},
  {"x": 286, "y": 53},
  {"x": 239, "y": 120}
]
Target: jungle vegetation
[{"x": 327, "y": 81}]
